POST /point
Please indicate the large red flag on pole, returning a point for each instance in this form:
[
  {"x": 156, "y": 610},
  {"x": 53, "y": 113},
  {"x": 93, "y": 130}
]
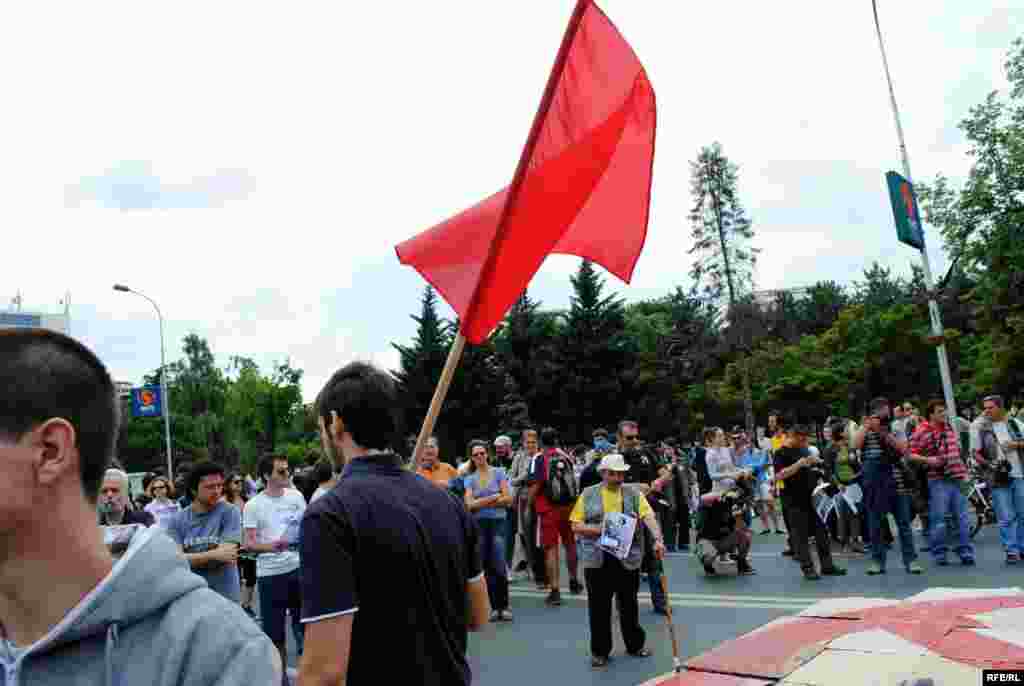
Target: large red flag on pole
[{"x": 582, "y": 188}]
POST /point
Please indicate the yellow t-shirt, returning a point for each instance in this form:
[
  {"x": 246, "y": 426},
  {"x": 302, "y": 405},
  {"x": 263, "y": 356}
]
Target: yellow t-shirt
[
  {"x": 612, "y": 501},
  {"x": 776, "y": 445}
]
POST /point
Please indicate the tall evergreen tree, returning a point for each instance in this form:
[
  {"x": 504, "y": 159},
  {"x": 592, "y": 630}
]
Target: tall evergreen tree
[
  {"x": 594, "y": 352},
  {"x": 422, "y": 362},
  {"x": 724, "y": 258},
  {"x": 474, "y": 397}
]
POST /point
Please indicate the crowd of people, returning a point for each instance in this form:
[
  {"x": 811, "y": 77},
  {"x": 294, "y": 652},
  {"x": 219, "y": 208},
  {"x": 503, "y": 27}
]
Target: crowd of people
[{"x": 370, "y": 548}]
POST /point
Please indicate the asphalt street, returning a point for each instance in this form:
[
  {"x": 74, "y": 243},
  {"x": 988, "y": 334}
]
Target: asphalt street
[{"x": 551, "y": 645}]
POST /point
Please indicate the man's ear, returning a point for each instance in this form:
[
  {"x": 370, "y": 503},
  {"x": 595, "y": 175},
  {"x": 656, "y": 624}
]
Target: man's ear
[{"x": 59, "y": 452}]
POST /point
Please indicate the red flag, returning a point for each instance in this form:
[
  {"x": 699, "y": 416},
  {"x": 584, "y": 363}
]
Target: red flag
[{"x": 582, "y": 187}]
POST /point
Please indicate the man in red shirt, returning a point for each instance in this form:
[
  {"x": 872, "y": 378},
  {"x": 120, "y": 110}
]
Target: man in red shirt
[{"x": 553, "y": 518}]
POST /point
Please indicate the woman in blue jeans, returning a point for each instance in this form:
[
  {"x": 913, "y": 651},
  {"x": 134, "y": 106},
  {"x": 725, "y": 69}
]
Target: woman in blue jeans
[{"x": 487, "y": 497}]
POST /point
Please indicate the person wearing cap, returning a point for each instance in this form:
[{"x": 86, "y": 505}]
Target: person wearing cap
[{"x": 605, "y": 574}]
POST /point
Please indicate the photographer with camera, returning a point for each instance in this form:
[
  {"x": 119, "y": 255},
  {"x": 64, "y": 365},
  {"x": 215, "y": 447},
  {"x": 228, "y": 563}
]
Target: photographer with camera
[
  {"x": 800, "y": 471},
  {"x": 999, "y": 446},
  {"x": 723, "y": 528},
  {"x": 886, "y": 484}
]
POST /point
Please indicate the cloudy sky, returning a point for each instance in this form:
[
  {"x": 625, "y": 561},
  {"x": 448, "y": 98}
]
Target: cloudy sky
[{"x": 250, "y": 166}]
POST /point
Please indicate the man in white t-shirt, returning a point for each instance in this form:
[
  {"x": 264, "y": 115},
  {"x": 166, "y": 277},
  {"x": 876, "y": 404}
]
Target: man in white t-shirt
[
  {"x": 271, "y": 522},
  {"x": 998, "y": 439}
]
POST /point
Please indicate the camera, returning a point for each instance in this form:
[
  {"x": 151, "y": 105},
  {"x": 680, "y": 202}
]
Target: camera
[{"x": 1001, "y": 472}]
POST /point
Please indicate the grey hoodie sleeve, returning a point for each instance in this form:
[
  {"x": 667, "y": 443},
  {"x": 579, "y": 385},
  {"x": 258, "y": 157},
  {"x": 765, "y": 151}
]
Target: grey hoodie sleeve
[{"x": 256, "y": 663}]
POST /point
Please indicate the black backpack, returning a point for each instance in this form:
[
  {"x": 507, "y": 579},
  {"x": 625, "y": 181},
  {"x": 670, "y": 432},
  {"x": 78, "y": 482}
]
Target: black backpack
[{"x": 560, "y": 486}]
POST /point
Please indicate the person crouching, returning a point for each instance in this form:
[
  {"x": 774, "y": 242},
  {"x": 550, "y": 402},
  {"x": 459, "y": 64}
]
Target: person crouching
[
  {"x": 605, "y": 573},
  {"x": 723, "y": 526}
]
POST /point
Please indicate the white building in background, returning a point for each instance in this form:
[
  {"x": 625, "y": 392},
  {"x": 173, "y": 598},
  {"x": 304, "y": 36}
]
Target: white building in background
[{"x": 14, "y": 317}]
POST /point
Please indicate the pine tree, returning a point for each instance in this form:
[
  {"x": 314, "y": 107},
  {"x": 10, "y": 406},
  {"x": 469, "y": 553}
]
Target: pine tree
[
  {"x": 474, "y": 397},
  {"x": 593, "y": 353},
  {"x": 422, "y": 362},
  {"x": 722, "y": 234}
]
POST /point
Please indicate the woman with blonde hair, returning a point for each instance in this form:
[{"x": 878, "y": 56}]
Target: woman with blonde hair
[{"x": 162, "y": 504}]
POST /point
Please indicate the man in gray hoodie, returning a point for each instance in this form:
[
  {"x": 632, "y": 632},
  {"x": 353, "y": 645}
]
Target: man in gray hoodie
[{"x": 70, "y": 613}]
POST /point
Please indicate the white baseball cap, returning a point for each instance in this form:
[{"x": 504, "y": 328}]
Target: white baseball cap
[{"x": 613, "y": 463}]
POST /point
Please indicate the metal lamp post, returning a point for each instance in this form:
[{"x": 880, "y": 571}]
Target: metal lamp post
[
  {"x": 933, "y": 307},
  {"x": 165, "y": 399}
]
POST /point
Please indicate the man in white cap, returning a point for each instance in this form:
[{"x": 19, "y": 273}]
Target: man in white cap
[{"x": 608, "y": 573}]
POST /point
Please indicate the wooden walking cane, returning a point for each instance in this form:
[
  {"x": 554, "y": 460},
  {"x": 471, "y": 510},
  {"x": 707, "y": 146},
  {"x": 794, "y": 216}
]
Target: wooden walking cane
[{"x": 676, "y": 662}]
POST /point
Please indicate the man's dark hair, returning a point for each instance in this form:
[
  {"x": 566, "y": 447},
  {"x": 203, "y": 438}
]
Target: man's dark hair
[
  {"x": 877, "y": 404},
  {"x": 932, "y": 404},
  {"x": 266, "y": 466},
  {"x": 323, "y": 472},
  {"x": 46, "y": 375},
  {"x": 199, "y": 472},
  {"x": 366, "y": 400},
  {"x": 801, "y": 429},
  {"x": 549, "y": 437},
  {"x": 600, "y": 433},
  {"x": 837, "y": 429}
]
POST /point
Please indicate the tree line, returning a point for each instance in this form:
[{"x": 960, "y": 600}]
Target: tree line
[{"x": 692, "y": 357}]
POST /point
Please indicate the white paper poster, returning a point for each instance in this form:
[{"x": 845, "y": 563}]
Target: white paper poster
[
  {"x": 617, "y": 534},
  {"x": 853, "y": 495}
]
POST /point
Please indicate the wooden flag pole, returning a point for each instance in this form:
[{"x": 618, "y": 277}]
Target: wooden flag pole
[{"x": 455, "y": 354}]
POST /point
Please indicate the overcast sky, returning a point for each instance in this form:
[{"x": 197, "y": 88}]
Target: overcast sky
[{"x": 250, "y": 166}]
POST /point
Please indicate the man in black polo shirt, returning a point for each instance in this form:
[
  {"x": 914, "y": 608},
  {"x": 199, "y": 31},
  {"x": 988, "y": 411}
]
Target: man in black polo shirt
[
  {"x": 799, "y": 472},
  {"x": 391, "y": 572}
]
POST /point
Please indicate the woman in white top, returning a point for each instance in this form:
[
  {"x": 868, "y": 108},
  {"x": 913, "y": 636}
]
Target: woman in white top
[
  {"x": 721, "y": 468},
  {"x": 162, "y": 506}
]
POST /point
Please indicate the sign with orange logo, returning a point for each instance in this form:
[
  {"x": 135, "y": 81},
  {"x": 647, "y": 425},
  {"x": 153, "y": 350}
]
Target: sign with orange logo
[{"x": 146, "y": 402}]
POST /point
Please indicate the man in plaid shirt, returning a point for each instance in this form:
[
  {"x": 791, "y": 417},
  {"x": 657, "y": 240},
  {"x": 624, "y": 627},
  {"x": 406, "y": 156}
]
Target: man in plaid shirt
[{"x": 936, "y": 445}]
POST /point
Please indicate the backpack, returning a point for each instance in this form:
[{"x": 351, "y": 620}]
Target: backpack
[{"x": 560, "y": 487}]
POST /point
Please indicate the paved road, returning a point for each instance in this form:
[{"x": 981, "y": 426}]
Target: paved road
[{"x": 551, "y": 645}]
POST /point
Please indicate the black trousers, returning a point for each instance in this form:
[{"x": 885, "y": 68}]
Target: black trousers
[
  {"x": 667, "y": 519},
  {"x": 683, "y": 521},
  {"x": 613, "y": 580},
  {"x": 804, "y": 523}
]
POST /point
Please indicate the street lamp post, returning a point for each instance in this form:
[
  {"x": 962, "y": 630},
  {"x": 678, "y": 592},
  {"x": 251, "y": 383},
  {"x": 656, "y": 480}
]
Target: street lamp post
[
  {"x": 164, "y": 398},
  {"x": 933, "y": 307}
]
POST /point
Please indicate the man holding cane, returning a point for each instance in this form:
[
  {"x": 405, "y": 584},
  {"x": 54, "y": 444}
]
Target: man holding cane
[{"x": 606, "y": 574}]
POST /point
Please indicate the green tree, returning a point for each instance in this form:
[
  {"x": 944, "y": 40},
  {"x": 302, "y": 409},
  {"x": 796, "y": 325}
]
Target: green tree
[
  {"x": 422, "y": 362},
  {"x": 471, "y": 409},
  {"x": 982, "y": 224},
  {"x": 724, "y": 259},
  {"x": 594, "y": 353}
]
